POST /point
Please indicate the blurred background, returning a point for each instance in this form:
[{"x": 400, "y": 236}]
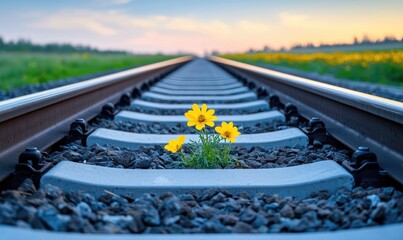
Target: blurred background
[{"x": 333, "y": 41}]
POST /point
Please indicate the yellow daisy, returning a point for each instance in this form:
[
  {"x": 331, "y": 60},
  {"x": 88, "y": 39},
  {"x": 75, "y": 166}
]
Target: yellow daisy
[
  {"x": 228, "y": 131},
  {"x": 200, "y": 117},
  {"x": 174, "y": 145}
]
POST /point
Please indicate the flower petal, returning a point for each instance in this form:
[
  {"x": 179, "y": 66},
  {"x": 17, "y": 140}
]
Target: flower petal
[
  {"x": 190, "y": 115},
  {"x": 191, "y": 123},
  {"x": 210, "y": 123},
  {"x": 200, "y": 126},
  {"x": 181, "y": 139},
  {"x": 170, "y": 148},
  {"x": 204, "y": 108},
  {"x": 218, "y": 129},
  {"x": 191, "y": 112},
  {"x": 210, "y": 112},
  {"x": 196, "y": 109}
]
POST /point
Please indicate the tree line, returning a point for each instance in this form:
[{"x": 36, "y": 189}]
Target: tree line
[
  {"x": 365, "y": 41},
  {"x": 25, "y": 45}
]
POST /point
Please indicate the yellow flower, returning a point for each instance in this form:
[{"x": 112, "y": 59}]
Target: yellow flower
[
  {"x": 200, "y": 117},
  {"x": 228, "y": 131},
  {"x": 175, "y": 145}
]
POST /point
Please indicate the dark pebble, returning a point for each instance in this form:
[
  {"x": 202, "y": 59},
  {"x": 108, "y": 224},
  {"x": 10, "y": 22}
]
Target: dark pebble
[
  {"x": 287, "y": 211},
  {"x": 241, "y": 227}
]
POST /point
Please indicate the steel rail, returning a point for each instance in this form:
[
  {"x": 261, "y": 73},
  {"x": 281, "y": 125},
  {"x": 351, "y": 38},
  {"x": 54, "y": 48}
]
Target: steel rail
[
  {"x": 354, "y": 118},
  {"x": 41, "y": 119}
]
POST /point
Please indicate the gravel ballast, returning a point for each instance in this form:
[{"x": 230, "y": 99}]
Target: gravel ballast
[
  {"x": 196, "y": 101},
  {"x": 157, "y": 128},
  {"x": 181, "y": 112},
  {"x": 212, "y": 212},
  {"x": 158, "y": 158}
]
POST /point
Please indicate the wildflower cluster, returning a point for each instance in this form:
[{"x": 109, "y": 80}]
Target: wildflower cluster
[
  {"x": 334, "y": 58},
  {"x": 211, "y": 150}
]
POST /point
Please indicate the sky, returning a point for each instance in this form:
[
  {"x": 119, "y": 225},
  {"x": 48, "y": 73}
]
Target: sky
[{"x": 198, "y": 26}]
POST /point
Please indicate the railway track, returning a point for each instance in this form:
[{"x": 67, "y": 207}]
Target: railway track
[{"x": 108, "y": 155}]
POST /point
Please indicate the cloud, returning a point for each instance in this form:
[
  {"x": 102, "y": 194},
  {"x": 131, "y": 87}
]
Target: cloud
[
  {"x": 330, "y": 27},
  {"x": 113, "y": 2},
  {"x": 293, "y": 19},
  {"x": 74, "y": 21},
  {"x": 155, "y": 31},
  {"x": 189, "y": 34}
]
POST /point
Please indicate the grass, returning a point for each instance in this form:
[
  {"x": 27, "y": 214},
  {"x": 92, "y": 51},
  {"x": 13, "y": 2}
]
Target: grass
[
  {"x": 208, "y": 152},
  {"x": 383, "y": 67},
  {"x": 18, "y": 69}
]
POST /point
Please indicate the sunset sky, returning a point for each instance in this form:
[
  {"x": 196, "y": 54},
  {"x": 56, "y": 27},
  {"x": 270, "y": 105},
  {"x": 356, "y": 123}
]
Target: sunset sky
[{"x": 198, "y": 26}]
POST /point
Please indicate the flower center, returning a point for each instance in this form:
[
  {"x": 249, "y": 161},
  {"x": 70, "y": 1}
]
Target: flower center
[
  {"x": 227, "y": 134},
  {"x": 201, "y": 118}
]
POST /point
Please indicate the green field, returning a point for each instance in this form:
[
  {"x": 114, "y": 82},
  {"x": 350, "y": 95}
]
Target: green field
[
  {"x": 17, "y": 69},
  {"x": 384, "y": 67}
]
